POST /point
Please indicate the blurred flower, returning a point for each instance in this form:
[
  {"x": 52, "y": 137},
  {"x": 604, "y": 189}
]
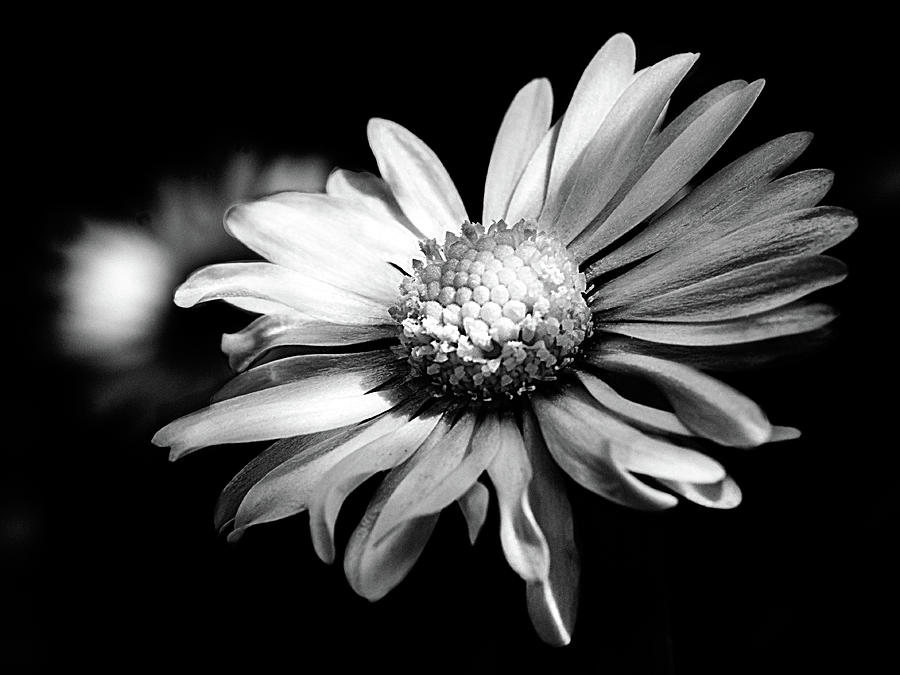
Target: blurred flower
[
  {"x": 117, "y": 278},
  {"x": 494, "y": 349}
]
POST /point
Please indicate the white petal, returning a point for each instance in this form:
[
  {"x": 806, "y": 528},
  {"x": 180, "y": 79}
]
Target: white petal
[
  {"x": 371, "y": 193},
  {"x": 523, "y": 541},
  {"x": 589, "y": 455},
  {"x": 799, "y": 317},
  {"x": 349, "y": 473},
  {"x": 287, "y": 489},
  {"x": 653, "y": 419},
  {"x": 750, "y": 290},
  {"x": 316, "y": 235},
  {"x": 357, "y": 373},
  {"x": 602, "y": 83},
  {"x": 283, "y": 287},
  {"x": 528, "y": 197},
  {"x": 278, "y": 330},
  {"x": 553, "y": 597},
  {"x": 523, "y": 127},
  {"x": 474, "y": 505},
  {"x": 711, "y": 200},
  {"x": 674, "y": 167},
  {"x": 274, "y": 455},
  {"x": 707, "y": 406},
  {"x": 722, "y": 495},
  {"x": 418, "y": 180},
  {"x": 432, "y": 481},
  {"x": 612, "y": 153},
  {"x": 805, "y": 232},
  {"x": 373, "y": 566},
  {"x": 287, "y": 410}
]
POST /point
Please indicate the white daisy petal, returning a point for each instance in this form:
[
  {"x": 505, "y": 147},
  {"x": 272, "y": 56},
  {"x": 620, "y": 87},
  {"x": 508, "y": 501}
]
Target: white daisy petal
[
  {"x": 279, "y": 330},
  {"x": 710, "y": 200},
  {"x": 636, "y": 414},
  {"x": 474, "y": 506},
  {"x": 524, "y": 126},
  {"x": 634, "y": 450},
  {"x": 274, "y": 455},
  {"x": 523, "y": 542},
  {"x": 528, "y": 196},
  {"x": 589, "y": 454},
  {"x": 799, "y": 317},
  {"x": 705, "y": 405},
  {"x": 283, "y": 287},
  {"x": 435, "y": 478},
  {"x": 612, "y": 153},
  {"x": 288, "y": 488},
  {"x": 357, "y": 373},
  {"x": 671, "y": 131},
  {"x": 418, "y": 180},
  {"x": 375, "y": 564},
  {"x": 722, "y": 495},
  {"x": 348, "y": 474},
  {"x": 805, "y": 232},
  {"x": 353, "y": 218},
  {"x": 674, "y": 167},
  {"x": 602, "y": 83},
  {"x": 372, "y": 193},
  {"x": 286, "y": 410},
  {"x": 750, "y": 290},
  {"x": 318, "y": 238},
  {"x": 553, "y": 596}
]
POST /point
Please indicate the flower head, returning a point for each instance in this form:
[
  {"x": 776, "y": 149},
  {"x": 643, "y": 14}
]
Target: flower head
[{"x": 440, "y": 349}]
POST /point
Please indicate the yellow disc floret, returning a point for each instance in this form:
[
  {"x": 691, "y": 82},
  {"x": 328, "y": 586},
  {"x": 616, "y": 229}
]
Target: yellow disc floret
[{"x": 490, "y": 312}]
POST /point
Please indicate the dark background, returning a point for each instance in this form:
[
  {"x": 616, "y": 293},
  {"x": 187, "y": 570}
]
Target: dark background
[{"x": 108, "y": 552}]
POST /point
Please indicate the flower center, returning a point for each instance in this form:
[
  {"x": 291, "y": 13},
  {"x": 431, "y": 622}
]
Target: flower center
[{"x": 491, "y": 312}]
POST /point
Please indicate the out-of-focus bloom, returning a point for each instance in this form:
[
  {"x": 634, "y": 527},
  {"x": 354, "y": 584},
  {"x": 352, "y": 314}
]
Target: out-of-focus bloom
[
  {"x": 447, "y": 349},
  {"x": 118, "y": 277}
]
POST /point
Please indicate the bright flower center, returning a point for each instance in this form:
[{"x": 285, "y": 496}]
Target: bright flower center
[{"x": 491, "y": 312}]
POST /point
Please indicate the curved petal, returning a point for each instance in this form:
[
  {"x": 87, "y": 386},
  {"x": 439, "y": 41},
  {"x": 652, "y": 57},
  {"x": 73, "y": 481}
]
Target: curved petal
[
  {"x": 437, "y": 476},
  {"x": 553, "y": 596},
  {"x": 287, "y": 410},
  {"x": 652, "y": 419},
  {"x": 233, "y": 494},
  {"x": 348, "y": 474},
  {"x": 524, "y": 126},
  {"x": 528, "y": 196},
  {"x": 317, "y": 236},
  {"x": 524, "y": 545},
  {"x": 805, "y": 232},
  {"x": 722, "y": 495},
  {"x": 614, "y": 150},
  {"x": 372, "y": 193},
  {"x": 374, "y": 565},
  {"x": 276, "y": 284},
  {"x": 418, "y": 180},
  {"x": 593, "y": 457},
  {"x": 280, "y": 330},
  {"x": 674, "y": 167},
  {"x": 743, "y": 292},
  {"x": 351, "y": 373},
  {"x": 287, "y": 489},
  {"x": 602, "y": 83},
  {"x": 705, "y": 405},
  {"x": 799, "y": 317},
  {"x": 709, "y": 200},
  {"x": 474, "y": 505}
]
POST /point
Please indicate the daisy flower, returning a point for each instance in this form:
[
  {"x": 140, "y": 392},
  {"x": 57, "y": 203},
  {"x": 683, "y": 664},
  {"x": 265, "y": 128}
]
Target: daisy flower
[{"x": 451, "y": 353}]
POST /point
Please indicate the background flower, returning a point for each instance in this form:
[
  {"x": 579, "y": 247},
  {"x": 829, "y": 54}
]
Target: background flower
[{"x": 805, "y": 561}]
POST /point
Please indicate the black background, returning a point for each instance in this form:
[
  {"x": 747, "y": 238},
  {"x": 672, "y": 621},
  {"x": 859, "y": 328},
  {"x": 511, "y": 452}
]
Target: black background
[{"x": 109, "y": 555}]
